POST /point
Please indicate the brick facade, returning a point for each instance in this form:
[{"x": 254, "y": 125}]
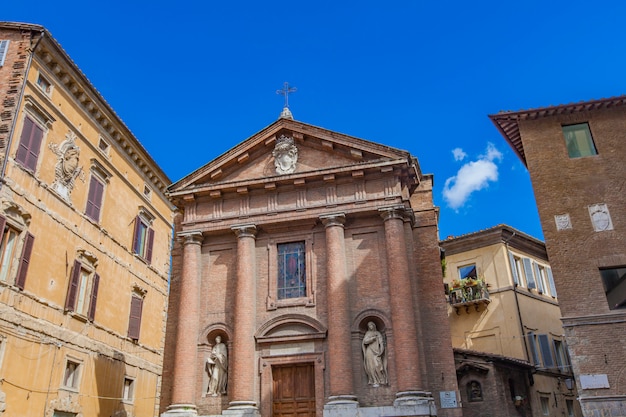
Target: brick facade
[
  {"x": 365, "y": 215},
  {"x": 569, "y": 186}
]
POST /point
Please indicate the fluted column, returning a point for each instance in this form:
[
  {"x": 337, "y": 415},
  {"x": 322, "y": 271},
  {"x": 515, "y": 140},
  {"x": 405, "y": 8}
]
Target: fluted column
[
  {"x": 185, "y": 361},
  {"x": 402, "y": 308},
  {"x": 339, "y": 342},
  {"x": 243, "y": 365}
]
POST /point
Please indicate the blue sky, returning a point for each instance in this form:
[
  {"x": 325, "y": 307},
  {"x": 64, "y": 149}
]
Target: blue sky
[{"x": 191, "y": 79}]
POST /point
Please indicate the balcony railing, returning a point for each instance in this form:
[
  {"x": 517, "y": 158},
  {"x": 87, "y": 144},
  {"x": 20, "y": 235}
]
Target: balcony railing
[{"x": 468, "y": 294}]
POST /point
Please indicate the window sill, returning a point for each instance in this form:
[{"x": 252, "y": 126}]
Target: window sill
[
  {"x": 141, "y": 258},
  {"x": 69, "y": 389},
  {"x": 78, "y": 316},
  {"x": 294, "y": 302}
]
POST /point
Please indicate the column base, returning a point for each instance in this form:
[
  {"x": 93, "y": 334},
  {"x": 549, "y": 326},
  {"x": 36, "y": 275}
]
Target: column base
[
  {"x": 181, "y": 410},
  {"x": 242, "y": 409},
  {"x": 346, "y": 410},
  {"x": 410, "y": 398},
  {"x": 341, "y": 406}
]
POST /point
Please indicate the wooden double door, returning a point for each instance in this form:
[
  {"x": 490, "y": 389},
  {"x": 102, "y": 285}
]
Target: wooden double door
[{"x": 293, "y": 390}]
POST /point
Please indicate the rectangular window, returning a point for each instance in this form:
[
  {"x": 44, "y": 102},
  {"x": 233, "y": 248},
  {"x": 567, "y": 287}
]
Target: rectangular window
[
  {"x": 532, "y": 347},
  {"x": 4, "y": 50},
  {"x": 30, "y": 145},
  {"x": 103, "y": 146},
  {"x": 71, "y": 377},
  {"x": 560, "y": 356},
  {"x": 44, "y": 84},
  {"x": 143, "y": 239},
  {"x": 147, "y": 191},
  {"x": 8, "y": 247},
  {"x": 614, "y": 280},
  {"x": 129, "y": 390},
  {"x": 538, "y": 277},
  {"x": 546, "y": 350},
  {"x": 94, "y": 198},
  {"x": 134, "y": 320},
  {"x": 570, "y": 408},
  {"x": 82, "y": 293},
  {"x": 579, "y": 141},
  {"x": 545, "y": 406},
  {"x": 291, "y": 270},
  {"x": 58, "y": 413},
  {"x": 468, "y": 271}
]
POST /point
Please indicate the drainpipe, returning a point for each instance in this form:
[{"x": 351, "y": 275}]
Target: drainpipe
[{"x": 17, "y": 109}]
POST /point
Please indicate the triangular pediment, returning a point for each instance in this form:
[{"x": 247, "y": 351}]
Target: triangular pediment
[{"x": 319, "y": 152}]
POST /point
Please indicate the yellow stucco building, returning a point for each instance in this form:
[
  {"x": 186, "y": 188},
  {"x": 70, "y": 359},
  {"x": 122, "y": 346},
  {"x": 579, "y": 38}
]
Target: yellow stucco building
[
  {"x": 86, "y": 234},
  {"x": 503, "y": 310}
]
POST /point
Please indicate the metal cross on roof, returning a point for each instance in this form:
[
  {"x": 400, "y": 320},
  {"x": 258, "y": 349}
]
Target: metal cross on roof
[{"x": 285, "y": 92}]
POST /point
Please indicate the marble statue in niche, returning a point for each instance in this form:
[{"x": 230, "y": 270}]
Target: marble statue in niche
[
  {"x": 374, "y": 356},
  {"x": 217, "y": 367},
  {"x": 285, "y": 155},
  {"x": 66, "y": 170}
]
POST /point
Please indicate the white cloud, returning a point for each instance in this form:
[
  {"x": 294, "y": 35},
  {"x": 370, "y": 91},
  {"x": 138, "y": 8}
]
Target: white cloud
[
  {"x": 459, "y": 154},
  {"x": 472, "y": 176}
]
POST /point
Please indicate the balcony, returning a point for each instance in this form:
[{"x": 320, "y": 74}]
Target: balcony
[{"x": 468, "y": 292}]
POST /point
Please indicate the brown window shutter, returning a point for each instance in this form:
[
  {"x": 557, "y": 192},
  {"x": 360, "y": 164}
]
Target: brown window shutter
[
  {"x": 30, "y": 144},
  {"x": 134, "y": 320},
  {"x": 24, "y": 261},
  {"x": 22, "y": 149},
  {"x": 94, "y": 297},
  {"x": 94, "y": 199},
  {"x": 149, "y": 244},
  {"x": 72, "y": 290},
  {"x": 136, "y": 232}
]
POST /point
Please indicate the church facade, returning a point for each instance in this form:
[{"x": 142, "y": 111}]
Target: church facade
[{"x": 307, "y": 281}]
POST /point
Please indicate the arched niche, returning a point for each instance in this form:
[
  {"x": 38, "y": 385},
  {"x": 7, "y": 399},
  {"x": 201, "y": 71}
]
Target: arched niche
[
  {"x": 359, "y": 325},
  {"x": 206, "y": 340}
]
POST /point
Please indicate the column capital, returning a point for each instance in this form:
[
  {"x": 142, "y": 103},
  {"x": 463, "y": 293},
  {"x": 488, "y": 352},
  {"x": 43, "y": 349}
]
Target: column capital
[
  {"x": 335, "y": 219},
  {"x": 244, "y": 230},
  {"x": 191, "y": 237},
  {"x": 395, "y": 212}
]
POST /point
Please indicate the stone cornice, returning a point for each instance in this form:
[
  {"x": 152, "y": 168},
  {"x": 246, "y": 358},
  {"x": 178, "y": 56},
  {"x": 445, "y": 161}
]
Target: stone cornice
[
  {"x": 350, "y": 172},
  {"x": 501, "y": 234},
  {"x": 57, "y": 62}
]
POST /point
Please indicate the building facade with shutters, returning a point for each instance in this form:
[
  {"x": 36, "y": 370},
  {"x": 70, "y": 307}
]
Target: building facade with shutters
[
  {"x": 306, "y": 281},
  {"x": 575, "y": 157},
  {"x": 86, "y": 231},
  {"x": 504, "y": 318}
]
